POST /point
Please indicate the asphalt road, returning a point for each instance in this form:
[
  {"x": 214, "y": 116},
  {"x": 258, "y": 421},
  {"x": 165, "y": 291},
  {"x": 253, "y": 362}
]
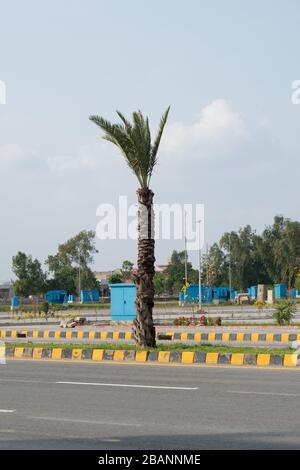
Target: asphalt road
[{"x": 51, "y": 405}]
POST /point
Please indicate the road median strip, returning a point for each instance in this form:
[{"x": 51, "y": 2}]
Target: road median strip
[
  {"x": 157, "y": 356},
  {"x": 210, "y": 336}
]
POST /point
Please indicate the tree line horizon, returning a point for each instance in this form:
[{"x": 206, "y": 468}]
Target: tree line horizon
[{"x": 267, "y": 258}]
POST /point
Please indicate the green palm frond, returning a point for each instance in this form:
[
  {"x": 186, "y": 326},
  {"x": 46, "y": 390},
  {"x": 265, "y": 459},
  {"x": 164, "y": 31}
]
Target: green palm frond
[{"x": 134, "y": 142}]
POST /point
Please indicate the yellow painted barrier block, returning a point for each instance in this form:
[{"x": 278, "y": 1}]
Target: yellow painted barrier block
[
  {"x": 141, "y": 356},
  {"x": 263, "y": 359},
  {"x": 14, "y": 333},
  {"x": 46, "y": 334},
  {"x": 212, "y": 358},
  {"x": 116, "y": 335},
  {"x": 19, "y": 352},
  {"x": 187, "y": 357},
  {"x": 103, "y": 335},
  {"x": 56, "y": 353},
  {"x": 184, "y": 336},
  {"x": 269, "y": 337},
  {"x": 80, "y": 334},
  {"x": 164, "y": 356},
  {"x": 290, "y": 360},
  {"x": 57, "y": 334},
  {"x": 298, "y": 337},
  {"x": 128, "y": 335},
  {"x": 35, "y": 333},
  {"x": 237, "y": 359},
  {"x": 240, "y": 337},
  {"x": 92, "y": 335},
  {"x": 37, "y": 353},
  {"x": 254, "y": 337},
  {"x": 119, "y": 355},
  {"x": 225, "y": 337},
  {"x": 97, "y": 354},
  {"x": 285, "y": 338},
  {"x": 170, "y": 333},
  {"x": 76, "y": 353},
  {"x": 211, "y": 336},
  {"x": 197, "y": 337},
  {"x": 68, "y": 334},
  {"x": 3, "y": 333}
]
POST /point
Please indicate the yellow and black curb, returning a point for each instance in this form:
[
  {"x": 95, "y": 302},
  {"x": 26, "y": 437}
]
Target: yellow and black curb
[
  {"x": 128, "y": 335},
  {"x": 171, "y": 357}
]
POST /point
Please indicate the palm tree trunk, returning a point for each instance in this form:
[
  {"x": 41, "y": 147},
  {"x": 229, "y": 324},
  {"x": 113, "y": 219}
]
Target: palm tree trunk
[{"x": 143, "y": 327}]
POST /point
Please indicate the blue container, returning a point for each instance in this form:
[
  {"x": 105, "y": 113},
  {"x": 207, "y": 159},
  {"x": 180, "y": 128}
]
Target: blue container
[
  {"x": 56, "y": 296},
  {"x": 89, "y": 296},
  {"x": 293, "y": 294},
  {"x": 122, "y": 302},
  {"x": 252, "y": 291},
  {"x": 280, "y": 291},
  {"x": 192, "y": 294},
  {"x": 15, "y": 301}
]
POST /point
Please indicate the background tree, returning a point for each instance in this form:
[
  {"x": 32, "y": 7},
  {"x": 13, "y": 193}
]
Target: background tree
[
  {"x": 241, "y": 247},
  {"x": 159, "y": 283},
  {"x": 115, "y": 278},
  {"x": 174, "y": 273},
  {"x": 126, "y": 270},
  {"x": 134, "y": 142},
  {"x": 64, "y": 265},
  {"x": 31, "y": 280},
  {"x": 215, "y": 267}
]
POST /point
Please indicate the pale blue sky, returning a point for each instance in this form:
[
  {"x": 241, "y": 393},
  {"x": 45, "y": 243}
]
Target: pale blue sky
[{"x": 232, "y": 61}]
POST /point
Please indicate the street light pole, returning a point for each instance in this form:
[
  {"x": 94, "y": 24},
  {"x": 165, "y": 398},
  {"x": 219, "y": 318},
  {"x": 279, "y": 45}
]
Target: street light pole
[
  {"x": 79, "y": 273},
  {"x": 200, "y": 267},
  {"x": 185, "y": 252},
  {"x": 229, "y": 267}
]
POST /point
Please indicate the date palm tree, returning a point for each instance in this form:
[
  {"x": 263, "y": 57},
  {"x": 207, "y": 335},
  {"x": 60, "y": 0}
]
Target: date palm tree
[{"x": 135, "y": 144}]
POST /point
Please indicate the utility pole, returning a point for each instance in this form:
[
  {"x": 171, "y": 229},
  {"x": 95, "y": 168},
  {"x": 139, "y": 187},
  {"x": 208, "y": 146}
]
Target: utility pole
[
  {"x": 185, "y": 252},
  {"x": 229, "y": 267},
  {"x": 200, "y": 267},
  {"x": 207, "y": 265},
  {"x": 79, "y": 273}
]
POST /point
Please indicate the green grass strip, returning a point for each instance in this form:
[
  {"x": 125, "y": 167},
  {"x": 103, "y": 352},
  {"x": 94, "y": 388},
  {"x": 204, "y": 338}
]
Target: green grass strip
[{"x": 161, "y": 347}]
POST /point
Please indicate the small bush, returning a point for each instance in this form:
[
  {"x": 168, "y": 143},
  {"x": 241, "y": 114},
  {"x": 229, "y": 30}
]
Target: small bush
[
  {"x": 284, "y": 312},
  {"x": 45, "y": 306},
  {"x": 203, "y": 320},
  {"x": 181, "y": 321},
  {"x": 259, "y": 304}
]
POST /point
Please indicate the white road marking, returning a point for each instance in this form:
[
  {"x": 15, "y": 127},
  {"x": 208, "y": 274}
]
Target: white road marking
[
  {"x": 84, "y": 421},
  {"x": 244, "y": 392},
  {"x": 7, "y": 411},
  {"x": 128, "y": 385}
]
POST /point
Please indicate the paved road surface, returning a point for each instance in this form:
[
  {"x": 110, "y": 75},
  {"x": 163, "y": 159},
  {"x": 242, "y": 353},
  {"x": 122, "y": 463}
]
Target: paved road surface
[{"x": 108, "y": 406}]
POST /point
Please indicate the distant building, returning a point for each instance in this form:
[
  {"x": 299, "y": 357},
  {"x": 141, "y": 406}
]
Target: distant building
[
  {"x": 6, "y": 291},
  {"x": 159, "y": 268},
  {"x": 103, "y": 276}
]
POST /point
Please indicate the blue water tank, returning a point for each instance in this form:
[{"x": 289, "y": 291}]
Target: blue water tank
[
  {"x": 89, "y": 296},
  {"x": 253, "y": 292},
  {"x": 122, "y": 302},
  {"x": 56, "y": 296},
  {"x": 192, "y": 294},
  {"x": 293, "y": 294},
  {"x": 280, "y": 291},
  {"x": 15, "y": 301}
]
